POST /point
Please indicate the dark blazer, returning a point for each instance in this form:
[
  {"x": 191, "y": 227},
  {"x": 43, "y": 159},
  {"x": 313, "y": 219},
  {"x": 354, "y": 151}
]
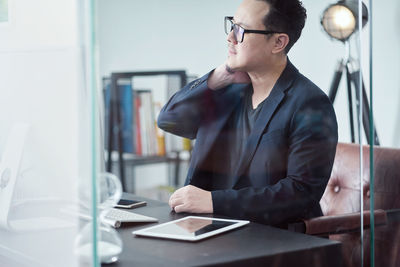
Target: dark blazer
[{"x": 289, "y": 154}]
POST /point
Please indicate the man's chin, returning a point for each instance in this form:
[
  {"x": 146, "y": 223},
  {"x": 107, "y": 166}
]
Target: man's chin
[{"x": 232, "y": 67}]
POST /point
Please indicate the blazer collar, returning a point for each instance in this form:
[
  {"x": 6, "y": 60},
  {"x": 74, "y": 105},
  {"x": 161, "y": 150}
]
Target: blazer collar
[
  {"x": 268, "y": 108},
  {"x": 288, "y": 75}
]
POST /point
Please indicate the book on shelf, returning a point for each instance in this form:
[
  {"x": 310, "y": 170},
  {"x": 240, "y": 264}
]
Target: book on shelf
[
  {"x": 138, "y": 121},
  {"x": 160, "y": 134},
  {"x": 145, "y": 125},
  {"x": 139, "y": 109},
  {"x": 173, "y": 142},
  {"x": 155, "y": 92},
  {"x": 126, "y": 111},
  {"x": 138, "y": 136}
]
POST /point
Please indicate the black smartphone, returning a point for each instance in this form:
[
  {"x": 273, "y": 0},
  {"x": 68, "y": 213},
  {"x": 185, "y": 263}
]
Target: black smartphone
[{"x": 130, "y": 204}]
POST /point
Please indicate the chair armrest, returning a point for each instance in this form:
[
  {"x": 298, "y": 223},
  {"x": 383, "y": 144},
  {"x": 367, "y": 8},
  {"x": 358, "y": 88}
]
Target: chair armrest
[{"x": 337, "y": 224}]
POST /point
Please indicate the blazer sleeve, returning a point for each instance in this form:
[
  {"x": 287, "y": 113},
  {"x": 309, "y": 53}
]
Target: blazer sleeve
[
  {"x": 182, "y": 114},
  {"x": 312, "y": 144}
]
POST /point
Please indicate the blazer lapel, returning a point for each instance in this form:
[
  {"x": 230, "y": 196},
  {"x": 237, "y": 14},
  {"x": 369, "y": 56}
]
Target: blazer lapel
[{"x": 267, "y": 110}]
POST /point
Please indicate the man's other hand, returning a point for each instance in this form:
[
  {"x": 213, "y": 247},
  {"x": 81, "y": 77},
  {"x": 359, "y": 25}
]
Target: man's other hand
[{"x": 191, "y": 199}]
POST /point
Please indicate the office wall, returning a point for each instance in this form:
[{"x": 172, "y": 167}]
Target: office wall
[
  {"x": 156, "y": 34},
  {"x": 35, "y": 24},
  {"x": 175, "y": 34}
]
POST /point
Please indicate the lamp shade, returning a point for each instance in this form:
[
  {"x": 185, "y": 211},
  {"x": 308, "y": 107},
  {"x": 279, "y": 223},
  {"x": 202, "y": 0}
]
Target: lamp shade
[{"x": 340, "y": 20}]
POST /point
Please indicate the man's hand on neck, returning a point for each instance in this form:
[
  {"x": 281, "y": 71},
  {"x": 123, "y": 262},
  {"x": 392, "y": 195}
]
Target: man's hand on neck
[{"x": 223, "y": 76}]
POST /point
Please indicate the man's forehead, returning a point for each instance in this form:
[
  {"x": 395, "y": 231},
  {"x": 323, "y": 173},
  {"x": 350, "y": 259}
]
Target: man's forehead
[
  {"x": 241, "y": 23},
  {"x": 250, "y": 13}
]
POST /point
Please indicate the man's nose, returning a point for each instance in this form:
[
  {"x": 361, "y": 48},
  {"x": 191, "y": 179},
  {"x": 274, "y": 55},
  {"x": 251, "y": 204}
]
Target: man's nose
[{"x": 231, "y": 38}]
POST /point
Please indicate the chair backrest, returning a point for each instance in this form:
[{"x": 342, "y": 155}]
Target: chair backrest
[{"x": 342, "y": 194}]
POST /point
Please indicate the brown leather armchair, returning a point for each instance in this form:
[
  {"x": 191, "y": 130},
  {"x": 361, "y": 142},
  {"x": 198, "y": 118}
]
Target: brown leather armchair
[{"x": 341, "y": 206}]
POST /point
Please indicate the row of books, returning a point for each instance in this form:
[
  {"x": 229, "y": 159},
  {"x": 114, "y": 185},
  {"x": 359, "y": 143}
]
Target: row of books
[{"x": 138, "y": 114}]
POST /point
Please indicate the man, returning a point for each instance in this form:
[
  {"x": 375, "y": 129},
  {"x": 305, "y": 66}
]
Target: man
[{"x": 265, "y": 135}]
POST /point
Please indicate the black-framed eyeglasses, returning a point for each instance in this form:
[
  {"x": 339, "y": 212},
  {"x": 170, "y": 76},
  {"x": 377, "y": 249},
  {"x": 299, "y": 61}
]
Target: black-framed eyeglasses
[{"x": 239, "y": 31}]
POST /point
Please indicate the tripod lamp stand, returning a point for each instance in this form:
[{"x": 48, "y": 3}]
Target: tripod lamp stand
[{"x": 340, "y": 21}]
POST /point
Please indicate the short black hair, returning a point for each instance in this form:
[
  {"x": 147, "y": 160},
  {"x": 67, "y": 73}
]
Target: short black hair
[{"x": 288, "y": 16}]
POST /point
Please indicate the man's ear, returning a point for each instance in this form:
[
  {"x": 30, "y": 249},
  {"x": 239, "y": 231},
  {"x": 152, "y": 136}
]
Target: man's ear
[{"x": 281, "y": 41}]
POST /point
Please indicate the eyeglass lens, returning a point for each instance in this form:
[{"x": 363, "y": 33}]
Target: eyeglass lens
[{"x": 237, "y": 30}]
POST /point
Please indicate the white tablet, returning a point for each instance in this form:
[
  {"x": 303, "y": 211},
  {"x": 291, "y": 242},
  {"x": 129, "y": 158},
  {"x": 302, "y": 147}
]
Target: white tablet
[{"x": 191, "y": 228}]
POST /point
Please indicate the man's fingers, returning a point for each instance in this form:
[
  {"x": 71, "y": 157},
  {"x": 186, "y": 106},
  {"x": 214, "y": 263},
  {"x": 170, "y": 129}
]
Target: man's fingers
[
  {"x": 180, "y": 208},
  {"x": 177, "y": 197},
  {"x": 174, "y": 201},
  {"x": 172, "y": 198}
]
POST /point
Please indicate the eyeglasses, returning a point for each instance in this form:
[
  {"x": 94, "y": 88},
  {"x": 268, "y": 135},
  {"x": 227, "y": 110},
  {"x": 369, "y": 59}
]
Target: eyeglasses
[{"x": 239, "y": 31}]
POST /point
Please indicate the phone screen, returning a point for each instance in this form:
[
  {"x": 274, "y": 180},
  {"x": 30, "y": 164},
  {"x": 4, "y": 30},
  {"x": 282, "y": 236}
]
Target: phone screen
[{"x": 126, "y": 202}]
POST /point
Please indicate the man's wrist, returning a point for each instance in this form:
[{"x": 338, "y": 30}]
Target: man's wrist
[
  {"x": 219, "y": 78},
  {"x": 211, "y": 207}
]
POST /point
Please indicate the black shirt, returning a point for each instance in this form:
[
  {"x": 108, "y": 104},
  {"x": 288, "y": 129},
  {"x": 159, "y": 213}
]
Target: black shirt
[{"x": 234, "y": 139}]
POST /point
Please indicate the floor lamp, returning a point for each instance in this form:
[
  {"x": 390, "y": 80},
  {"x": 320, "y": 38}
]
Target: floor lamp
[{"x": 340, "y": 22}]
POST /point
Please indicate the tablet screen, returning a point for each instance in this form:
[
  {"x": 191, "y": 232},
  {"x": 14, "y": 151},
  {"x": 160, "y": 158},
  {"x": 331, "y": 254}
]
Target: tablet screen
[{"x": 191, "y": 228}]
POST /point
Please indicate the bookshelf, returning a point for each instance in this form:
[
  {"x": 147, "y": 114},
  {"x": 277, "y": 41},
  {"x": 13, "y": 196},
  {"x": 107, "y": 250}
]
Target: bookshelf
[{"x": 115, "y": 140}]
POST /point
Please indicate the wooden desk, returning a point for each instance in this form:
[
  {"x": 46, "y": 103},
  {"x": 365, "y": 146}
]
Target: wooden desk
[{"x": 251, "y": 245}]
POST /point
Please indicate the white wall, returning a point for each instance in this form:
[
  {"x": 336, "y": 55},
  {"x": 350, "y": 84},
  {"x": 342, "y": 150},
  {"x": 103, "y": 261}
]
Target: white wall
[
  {"x": 386, "y": 70},
  {"x": 38, "y": 24},
  {"x": 176, "y": 34},
  {"x": 157, "y": 34}
]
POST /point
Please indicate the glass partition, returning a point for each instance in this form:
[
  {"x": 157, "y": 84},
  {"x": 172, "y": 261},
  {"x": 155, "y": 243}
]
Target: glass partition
[
  {"x": 373, "y": 67},
  {"x": 334, "y": 39},
  {"x": 46, "y": 141},
  {"x": 384, "y": 83}
]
